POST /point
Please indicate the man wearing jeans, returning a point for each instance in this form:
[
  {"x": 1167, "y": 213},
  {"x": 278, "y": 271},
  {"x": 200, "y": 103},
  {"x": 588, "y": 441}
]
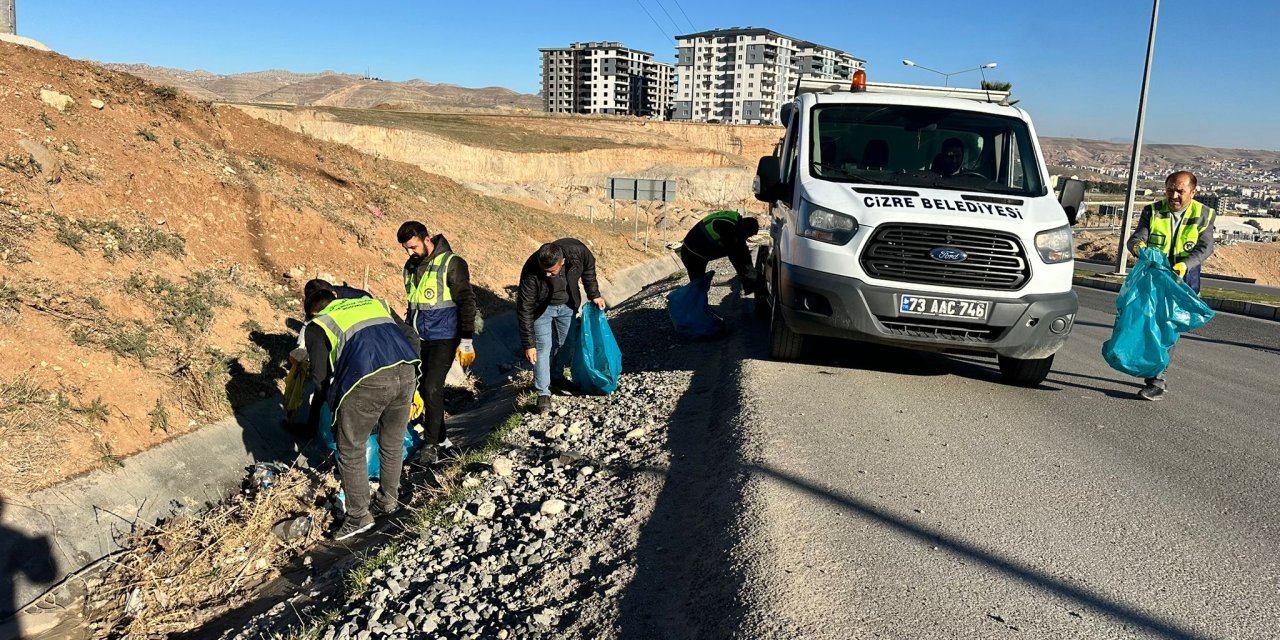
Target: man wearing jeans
[
  {"x": 547, "y": 301},
  {"x": 364, "y": 358}
]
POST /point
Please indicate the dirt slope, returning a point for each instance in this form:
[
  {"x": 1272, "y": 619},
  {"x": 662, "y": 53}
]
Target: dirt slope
[{"x": 151, "y": 251}]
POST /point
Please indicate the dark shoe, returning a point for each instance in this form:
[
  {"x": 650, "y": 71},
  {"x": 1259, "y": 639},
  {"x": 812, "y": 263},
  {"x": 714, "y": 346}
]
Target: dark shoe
[
  {"x": 378, "y": 509},
  {"x": 426, "y": 456},
  {"x": 1152, "y": 393},
  {"x": 544, "y": 405},
  {"x": 352, "y": 526}
]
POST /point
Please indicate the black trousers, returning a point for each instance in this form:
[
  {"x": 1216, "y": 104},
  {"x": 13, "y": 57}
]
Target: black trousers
[
  {"x": 437, "y": 357},
  {"x": 695, "y": 264}
]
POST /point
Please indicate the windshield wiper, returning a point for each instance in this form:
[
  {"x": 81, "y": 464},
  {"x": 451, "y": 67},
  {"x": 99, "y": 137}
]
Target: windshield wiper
[{"x": 849, "y": 174}]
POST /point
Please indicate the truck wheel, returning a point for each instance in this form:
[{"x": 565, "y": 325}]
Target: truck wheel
[
  {"x": 1025, "y": 373},
  {"x": 784, "y": 344}
]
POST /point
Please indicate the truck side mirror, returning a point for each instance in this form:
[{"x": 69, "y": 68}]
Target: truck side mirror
[
  {"x": 767, "y": 184},
  {"x": 784, "y": 113},
  {"x": 1071, "y": 196}
]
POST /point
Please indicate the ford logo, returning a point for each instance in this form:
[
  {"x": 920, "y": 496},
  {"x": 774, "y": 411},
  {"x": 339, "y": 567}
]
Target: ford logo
[{"x": 948, "y": 254}]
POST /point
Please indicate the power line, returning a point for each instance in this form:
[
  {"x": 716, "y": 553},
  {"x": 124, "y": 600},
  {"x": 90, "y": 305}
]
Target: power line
[
  {"x": 686, "y": 16},
  {"x": 664, "y": 10},
  {"x": 655, "y": 22}
]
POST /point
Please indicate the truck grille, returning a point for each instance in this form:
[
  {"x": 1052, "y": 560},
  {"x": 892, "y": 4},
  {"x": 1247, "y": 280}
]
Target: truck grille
[
  {"x": 901, "y": 252},
  {"x": 941, "y": 330}
]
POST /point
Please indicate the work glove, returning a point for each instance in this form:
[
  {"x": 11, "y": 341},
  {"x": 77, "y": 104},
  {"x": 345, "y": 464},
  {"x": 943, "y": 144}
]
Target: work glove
[
  {"x": 1180, "y": 268},
  {"x": 415, "y": 409},
  {"x": 466, "y": 353},
  {"x": 1140, "y": 245}
]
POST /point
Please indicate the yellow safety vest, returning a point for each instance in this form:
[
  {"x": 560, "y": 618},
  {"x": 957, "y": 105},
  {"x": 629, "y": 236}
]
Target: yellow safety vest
[
  {"x": 1195, "y": 220},
  {"x": 708, "y": 223}
]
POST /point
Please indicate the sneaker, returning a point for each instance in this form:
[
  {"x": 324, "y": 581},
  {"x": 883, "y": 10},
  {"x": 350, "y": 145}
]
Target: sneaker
[
  {"x": 352, "y": 526},
  {"x": 544, "y": 405},
  {"x": 563, "y": 386},
  {"x": 378, "y": 509},
  {"x": 1152, "y": 393}
]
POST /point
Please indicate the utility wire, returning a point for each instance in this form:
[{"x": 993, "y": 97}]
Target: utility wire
[
  {"x": 664, "y": 10},
  {"x": 686, "y": 16},
  {"x": 655, "y": 22}
]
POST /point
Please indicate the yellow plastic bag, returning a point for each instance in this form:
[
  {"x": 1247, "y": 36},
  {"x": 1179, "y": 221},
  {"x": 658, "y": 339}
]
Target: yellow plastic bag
[{"x": 294, "y": 383}]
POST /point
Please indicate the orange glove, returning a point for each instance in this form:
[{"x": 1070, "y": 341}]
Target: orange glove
[
  {"x": 466, "y": 353},
  {"x": 1140, "y": 245},
  {"x": 1180, "y": 268}
]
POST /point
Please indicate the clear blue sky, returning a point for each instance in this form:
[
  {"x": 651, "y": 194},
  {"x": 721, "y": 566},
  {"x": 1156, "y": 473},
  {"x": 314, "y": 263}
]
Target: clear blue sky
[{"x": 1077, "y": 67}]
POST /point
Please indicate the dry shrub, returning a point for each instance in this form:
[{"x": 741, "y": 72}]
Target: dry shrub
[{"x": 183, "y": 572}]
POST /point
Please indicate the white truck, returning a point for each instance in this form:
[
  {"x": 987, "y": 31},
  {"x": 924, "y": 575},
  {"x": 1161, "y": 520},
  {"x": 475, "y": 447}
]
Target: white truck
[{"x": 916, "y": 216}]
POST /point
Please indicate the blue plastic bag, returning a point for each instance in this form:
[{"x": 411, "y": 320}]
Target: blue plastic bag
[
  {"x": 690, "y": 314},
  {"x": 412, "y": 442},
  {"x": 1153, "y": 308},
  {"x": 597, "y": 360}
]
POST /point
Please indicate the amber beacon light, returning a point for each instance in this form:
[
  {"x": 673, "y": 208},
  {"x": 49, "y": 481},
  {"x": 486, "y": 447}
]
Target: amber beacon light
[{"x": 859, "y": 82}]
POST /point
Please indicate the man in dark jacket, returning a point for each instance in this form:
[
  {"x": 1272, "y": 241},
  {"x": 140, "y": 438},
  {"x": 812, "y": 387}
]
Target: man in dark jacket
[
  {"x": 442, "y": 307},
  {"x": 363, "y": 359},
  {"x": 342, "y": 292},
  {"x": 721, "y": 234},
  {"x": 547, "y": 301}
]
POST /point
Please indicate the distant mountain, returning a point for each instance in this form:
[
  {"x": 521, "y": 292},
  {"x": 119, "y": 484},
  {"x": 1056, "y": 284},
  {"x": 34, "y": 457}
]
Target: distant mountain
[
  {"x": 328, "y": 88},
  {"x": 1100, "y": 159}
]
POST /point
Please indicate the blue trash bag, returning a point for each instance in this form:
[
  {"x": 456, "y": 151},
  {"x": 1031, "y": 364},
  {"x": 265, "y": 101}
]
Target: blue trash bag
[
  {"x": 1153, "y": 308},
  {"x": 690, "y": 314},
  {"x": 412, "y": 442},
  {"x": 597, "y": 360}
]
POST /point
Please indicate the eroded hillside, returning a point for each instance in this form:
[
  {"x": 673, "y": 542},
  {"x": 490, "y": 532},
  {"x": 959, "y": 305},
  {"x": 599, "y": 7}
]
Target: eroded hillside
[{"x": 153, "y": 247}]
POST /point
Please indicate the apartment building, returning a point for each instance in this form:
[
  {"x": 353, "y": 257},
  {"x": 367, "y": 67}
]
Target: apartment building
[
  {"x": 606, "y": 78},
  {"x": 743, "y": 75}
]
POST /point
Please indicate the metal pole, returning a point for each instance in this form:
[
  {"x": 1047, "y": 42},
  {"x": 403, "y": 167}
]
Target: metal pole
[
  {"x": 637, "y": 220},
  {"x": 592, "y": 209},
  {"x": 1122, "y": 253}
]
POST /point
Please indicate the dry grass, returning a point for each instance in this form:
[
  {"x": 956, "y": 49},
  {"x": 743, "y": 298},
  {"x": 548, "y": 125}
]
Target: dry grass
[
  {"x": 178, "y": 574},
  {"x": 34, "y": 420}
]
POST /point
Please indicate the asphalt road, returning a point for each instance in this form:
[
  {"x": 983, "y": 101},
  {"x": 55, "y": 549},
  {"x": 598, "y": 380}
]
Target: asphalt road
[{"x": 900, "y": 494}]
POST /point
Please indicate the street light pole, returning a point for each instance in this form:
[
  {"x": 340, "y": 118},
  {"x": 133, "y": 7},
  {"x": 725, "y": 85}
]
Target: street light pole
[
  {"x": 1122, "y": 253},
  {"x": 946, "y": 77}
]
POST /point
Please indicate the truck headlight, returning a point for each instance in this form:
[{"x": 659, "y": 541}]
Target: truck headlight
[
  {"x": 1054, "y": 245},
  {"x": 824, "y": 225}
]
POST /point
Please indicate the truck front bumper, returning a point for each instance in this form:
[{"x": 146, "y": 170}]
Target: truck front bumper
[{"x": 817, "y": 303}]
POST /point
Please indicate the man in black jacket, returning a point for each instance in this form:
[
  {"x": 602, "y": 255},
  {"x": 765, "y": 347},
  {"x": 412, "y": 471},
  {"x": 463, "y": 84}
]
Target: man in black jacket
[
  {"x": 442, "y": 308},
  {"x": 547, "y": 301}
]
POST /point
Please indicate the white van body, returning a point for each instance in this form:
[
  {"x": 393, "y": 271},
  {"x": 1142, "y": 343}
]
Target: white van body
[{"x": 872, "y": 240}]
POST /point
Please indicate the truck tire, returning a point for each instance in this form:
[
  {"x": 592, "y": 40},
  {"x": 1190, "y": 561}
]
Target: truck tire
[
  {"x": 1025, "y": 373},
  {"x": 784, "y": 344}
]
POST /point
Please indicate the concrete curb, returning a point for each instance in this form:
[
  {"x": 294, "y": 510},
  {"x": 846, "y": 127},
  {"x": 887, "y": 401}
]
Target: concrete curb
[
  {"x": 1257, "y": 310},
  {"x": 79, "y": 521}
]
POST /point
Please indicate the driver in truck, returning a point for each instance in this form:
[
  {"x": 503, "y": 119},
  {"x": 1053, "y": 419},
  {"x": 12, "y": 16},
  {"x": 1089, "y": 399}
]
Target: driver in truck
[{"x": 950, "y": 160}]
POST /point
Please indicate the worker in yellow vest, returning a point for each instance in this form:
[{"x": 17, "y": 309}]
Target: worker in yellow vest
[
  {"x": 1182, "y": 229},
  {"x": 364, "y": 359},
  {"x": 717, "y": 235},
  {"x": 442, "y": 308}
]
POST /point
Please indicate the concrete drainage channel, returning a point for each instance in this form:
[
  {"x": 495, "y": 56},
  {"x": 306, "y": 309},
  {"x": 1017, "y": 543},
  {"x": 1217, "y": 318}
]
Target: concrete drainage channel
[{"x": 80, "y": 521}]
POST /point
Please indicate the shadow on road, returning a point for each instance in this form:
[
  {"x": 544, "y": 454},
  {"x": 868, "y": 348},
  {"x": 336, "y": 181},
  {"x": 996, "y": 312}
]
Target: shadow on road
[
  {"x": 1097, "y": 602},
  {"x": 686, "y": 584}
]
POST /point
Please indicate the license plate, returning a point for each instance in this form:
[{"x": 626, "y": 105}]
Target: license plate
[{"x": 943, "y": 307}]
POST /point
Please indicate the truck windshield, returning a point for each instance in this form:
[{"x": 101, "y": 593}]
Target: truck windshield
[{"x": 913, "y": 146}]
